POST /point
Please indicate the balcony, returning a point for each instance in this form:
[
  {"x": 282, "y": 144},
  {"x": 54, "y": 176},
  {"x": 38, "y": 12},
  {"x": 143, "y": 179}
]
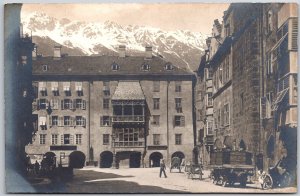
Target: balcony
[
  {"x": 128, "y": 144},
  {"x": 128, "y": 119}
]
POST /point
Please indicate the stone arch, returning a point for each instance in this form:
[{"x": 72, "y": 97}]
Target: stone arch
[
  {"x": 49, "y": 158},
  {"x": 218, "y": 144},
  {"x": 242, "y": 145},
  {"x": 106, "y": 159},
  {"x": 178, "y": 154},
  {"x": 76, "y": 159},
  {"x": 271, "y": 146},
  {"x": 154, "y": 159}
]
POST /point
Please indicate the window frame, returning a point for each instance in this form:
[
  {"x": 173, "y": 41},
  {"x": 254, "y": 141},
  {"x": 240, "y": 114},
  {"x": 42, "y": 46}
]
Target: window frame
[{"x": 178, "y": 139}]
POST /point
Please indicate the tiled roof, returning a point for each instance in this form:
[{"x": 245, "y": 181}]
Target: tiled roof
[
  {"x": 129, "y": 90},
  {"x": 101, "y": 65}
]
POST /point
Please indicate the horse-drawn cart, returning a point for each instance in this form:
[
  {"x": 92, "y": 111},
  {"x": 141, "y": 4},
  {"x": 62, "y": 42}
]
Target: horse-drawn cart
[
  {"x": 231, "y": 167},
  {"x": 194, "y": 171}
]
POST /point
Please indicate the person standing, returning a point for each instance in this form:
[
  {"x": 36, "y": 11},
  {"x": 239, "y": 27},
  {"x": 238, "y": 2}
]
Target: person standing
[{"x": 162, "y": 168}]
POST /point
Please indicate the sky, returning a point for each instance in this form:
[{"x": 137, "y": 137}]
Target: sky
[{"x": 197, "y": 17}]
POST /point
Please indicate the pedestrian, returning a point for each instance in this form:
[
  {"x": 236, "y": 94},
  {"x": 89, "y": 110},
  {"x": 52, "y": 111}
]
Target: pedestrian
[
  {"x": 36, "y": 167},
  {"x": 162, "y": 168}
]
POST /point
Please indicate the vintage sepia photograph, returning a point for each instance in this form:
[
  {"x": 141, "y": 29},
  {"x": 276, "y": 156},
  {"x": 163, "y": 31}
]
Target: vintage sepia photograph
[{"x": 151, "y": 98}]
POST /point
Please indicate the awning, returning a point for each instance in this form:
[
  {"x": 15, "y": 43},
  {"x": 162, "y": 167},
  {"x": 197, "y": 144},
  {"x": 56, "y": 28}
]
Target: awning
[{"x": 128, "y": 90}]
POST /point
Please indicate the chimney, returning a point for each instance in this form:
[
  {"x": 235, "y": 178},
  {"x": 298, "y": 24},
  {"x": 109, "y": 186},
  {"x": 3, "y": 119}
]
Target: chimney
[
  {"x": 34, "y": 52},
  {"x": 57, "y": 52},
  {"x": 122, "y": 51},
  {"x": 148, "y": 53}
]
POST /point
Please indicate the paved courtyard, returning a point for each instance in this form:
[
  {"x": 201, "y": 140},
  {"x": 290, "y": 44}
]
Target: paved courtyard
[{"x": 142, "y": 180}]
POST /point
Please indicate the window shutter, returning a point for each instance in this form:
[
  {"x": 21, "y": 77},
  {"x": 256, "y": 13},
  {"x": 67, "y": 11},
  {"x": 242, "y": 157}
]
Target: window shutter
[
  {"x": 56, "y": 103},
  {"x": 84, "y": 121},
  {"x": 71, "y": 139},
  {"x": 293, "y": 34},
  {"x": 50, "y": 121},
  {"x": 101, "y": 121},
  {"x": 83, "y": 104},
  {"x": 71, "y": 104},
  {"x": 52, "y": 103},
  {"x": 62, "y": 105},
  {"x": 62, "y": 139},
  {"x": 60, "y": 121},
  {"x": 182, "y": 121},
  {"x": 47, "y": 104}
]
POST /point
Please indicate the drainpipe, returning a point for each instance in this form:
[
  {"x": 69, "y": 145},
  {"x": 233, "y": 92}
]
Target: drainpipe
[
  {"x": 89, "y": 122},
  {"x": 168, "y": 149}
]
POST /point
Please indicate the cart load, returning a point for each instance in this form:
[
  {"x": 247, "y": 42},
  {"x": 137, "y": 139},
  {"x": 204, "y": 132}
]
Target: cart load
[{"x": 229, "y": 167}]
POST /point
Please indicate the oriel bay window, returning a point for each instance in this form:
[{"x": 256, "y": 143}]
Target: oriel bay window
[
  {"x": 127, "y": 137},
  {"x": 130, "y": 111}
]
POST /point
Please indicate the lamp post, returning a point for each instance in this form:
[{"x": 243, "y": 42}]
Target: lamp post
[{"x": 113, "y": 138}]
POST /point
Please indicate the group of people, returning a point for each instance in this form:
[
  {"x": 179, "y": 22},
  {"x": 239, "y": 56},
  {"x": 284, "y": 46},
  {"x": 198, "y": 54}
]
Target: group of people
[{"x": 40, "y": 168}]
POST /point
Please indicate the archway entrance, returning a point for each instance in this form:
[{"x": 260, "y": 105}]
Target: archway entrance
[
  {"x": 49, "y": 159},
  {"x": 155, "y": 159},
  {"x": 106, "y": 159},
  {"x": 76, "y": 159},
  {"x": 135, "y": 160},
  {"x": 178, "y": 154}
]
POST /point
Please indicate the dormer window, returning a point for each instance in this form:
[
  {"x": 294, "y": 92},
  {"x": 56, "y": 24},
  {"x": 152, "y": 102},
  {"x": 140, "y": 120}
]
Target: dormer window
[
  {"x": 145, "y": 67},
  {"x": 115, "y": 66},
  {"x": 45, "y": 68},
  {"x": 168, "y": 66}
]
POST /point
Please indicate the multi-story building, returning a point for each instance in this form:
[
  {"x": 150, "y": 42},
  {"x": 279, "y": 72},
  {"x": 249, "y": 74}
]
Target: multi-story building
[
  {"x": 116, "y": 110},
  {"x": 18, "y": 96},
  {"x": 254, "y": 71}
]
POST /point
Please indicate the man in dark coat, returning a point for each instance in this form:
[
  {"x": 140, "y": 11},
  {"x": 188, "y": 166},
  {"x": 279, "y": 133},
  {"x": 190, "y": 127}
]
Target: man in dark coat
[{"x": 162, "y": 168}]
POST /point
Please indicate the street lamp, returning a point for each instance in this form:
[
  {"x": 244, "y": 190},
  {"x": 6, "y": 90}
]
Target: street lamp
[{"x": 113, "y": 138}]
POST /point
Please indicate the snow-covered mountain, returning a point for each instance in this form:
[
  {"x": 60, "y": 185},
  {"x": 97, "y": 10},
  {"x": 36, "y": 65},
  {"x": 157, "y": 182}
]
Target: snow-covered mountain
[{"x": 181, "y": 47}]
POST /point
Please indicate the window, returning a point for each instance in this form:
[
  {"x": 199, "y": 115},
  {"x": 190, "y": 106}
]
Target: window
[
  {"x": 105, "y": 139},
  {"x": 156, "y": 86},
  {"x": 209, "y": 127},
  {"x": 66, "y": 139},
  {"x": 178, "y": 86},
  {"x": 178, "y": 139},
  {"x": 66, "y": 104},
  {"x": 42, "y": 88},
  {"x": 168, "y": 66},
  {"x": 269, "y": 21},
  {"x": 155, "y": 120},
  {"x": 45, "y": 68},
  {"x": 54, "y": 139},
  {"x": 115, "y": 66},
  {"x": 179, "y": 121},
  {"x": 209, "y": 99},
  {"x": 42, "y": 104},
  {"x": 78, "y": 86},
  {"x": 105, "y": 121},
  {"x": 269, "y": 67},
  {"x": 54, "y": 120},
  {"x": 105, "y": 103},
  {"x": 156, "y": 139},
  {"x": 67, "y": 121},
  {"x": 226, "y": 114},
  {"x": 42, "y": 122},
  {"x": 24, "y": 60},
  {"x": 295, "y": 89},
  {"x": 80, "y": 104},
  {"x": 54, "y": 88},
  {"x": 78, "y": 139},
  {"x": 67, "y": 88},
  {"x": 178, "y": 105},
  {"x": 80, "y": 121},
  {"x": 146, "y": 67},
  {"x": 106, "y": 89},
  {"x": 208, "y": 73},
  {"x": 156, "y": 103},
  {"x": 42, "y": 138},
  {"x": 54, "y": 104}
]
